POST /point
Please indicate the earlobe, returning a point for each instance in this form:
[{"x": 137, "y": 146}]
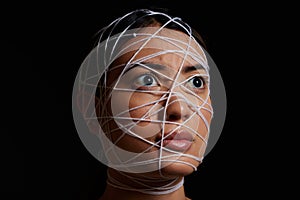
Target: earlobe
[{"x": 93, "y": 126}]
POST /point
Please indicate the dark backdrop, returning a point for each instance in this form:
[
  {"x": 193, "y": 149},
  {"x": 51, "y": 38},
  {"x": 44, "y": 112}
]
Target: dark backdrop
[{"x": 43, "y": 46}]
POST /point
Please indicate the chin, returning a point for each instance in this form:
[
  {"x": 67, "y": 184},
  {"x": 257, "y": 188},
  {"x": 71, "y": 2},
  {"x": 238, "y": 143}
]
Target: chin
[{"x": 176, "y": 169}]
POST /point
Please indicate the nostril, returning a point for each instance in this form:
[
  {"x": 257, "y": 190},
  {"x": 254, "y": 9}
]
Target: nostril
[
  {"x": 177, "y": 109},
  {"x": 174, "y": 117}
]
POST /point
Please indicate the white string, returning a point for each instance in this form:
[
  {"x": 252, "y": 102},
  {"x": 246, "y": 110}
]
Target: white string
[
  {"x": 165, "y": 189},
  {"x": 165, "y": 97}
]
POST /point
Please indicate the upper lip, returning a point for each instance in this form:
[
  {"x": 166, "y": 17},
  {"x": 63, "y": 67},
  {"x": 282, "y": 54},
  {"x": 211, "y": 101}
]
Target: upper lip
[{"x": 179, "y": 135}]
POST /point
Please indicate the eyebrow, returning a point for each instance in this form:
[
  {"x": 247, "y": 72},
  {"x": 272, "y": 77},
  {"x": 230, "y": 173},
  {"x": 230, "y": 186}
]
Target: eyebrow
[
  {"x": 155, "y": 66},
  {"x": 192, "y": 68},
  {"x": 185, "y": 69},
  {"x": 150, "y": 65}
]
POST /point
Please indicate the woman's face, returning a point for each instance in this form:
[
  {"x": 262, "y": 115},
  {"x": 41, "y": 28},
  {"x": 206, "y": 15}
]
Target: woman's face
[{"x": 160, "y": 101}]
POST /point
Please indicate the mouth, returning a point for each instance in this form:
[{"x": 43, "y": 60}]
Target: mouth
[{"x": 178, "y": 140}]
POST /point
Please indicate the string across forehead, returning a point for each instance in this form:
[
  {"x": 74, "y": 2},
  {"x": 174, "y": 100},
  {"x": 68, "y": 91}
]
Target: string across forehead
[{"x": 98, "y": 64}]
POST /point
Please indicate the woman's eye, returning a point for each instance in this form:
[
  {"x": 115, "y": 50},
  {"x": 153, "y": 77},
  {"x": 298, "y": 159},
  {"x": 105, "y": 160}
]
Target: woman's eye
[
  {"x": 196, "y": 82},
  {"x": 146, "y": 80}
]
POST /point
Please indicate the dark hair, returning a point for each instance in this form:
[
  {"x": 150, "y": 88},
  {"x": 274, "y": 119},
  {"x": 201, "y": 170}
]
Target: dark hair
[{"x": 145, "y": 17}]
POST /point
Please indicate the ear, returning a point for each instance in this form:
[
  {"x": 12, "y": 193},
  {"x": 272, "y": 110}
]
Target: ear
[{"x": 86, "y": 107}]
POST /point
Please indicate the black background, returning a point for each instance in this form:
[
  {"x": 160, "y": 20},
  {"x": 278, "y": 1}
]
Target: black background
[{"x": 43, "y": 46}]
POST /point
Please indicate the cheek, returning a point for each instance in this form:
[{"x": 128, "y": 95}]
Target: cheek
[
  {"x": 203, "y": 126},
  {"x": 207, "y": 115},
  {"x": 140, "y": 105}
]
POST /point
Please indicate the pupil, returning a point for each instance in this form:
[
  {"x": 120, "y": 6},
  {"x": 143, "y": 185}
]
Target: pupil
[
  {"x": 148, "y": 80},
  {"x": 197, "y": 82}
]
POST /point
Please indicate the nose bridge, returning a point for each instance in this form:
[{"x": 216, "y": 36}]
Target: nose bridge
[{"x": 177, "y": 107}]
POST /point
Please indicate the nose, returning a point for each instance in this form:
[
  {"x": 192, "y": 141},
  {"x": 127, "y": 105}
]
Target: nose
[{"x": 177, "y": 109}]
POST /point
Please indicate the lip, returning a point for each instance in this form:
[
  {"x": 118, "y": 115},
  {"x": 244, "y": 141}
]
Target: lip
[{"x": 178, "y": 141}]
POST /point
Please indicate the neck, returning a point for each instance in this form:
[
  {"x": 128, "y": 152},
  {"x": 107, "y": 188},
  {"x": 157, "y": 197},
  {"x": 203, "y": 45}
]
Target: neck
[{"x": 125, "y": 186}]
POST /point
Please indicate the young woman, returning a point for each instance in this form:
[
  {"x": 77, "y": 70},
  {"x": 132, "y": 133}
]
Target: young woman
[{"x": 144, "y": 91}]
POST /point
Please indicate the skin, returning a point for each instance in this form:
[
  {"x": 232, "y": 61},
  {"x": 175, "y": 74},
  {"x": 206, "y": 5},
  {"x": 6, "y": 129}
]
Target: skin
[{"x": 176, "y": 110}]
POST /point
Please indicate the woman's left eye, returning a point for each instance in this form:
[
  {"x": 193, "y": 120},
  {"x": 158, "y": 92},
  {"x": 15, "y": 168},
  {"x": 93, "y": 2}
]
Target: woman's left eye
[
  {"x": 146, "y": 80},
  {"x": 196, "y": 82}
]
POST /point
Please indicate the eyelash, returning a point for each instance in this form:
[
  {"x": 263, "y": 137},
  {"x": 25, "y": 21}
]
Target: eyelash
[
  {"x": 138, "y": 81},
  {"x": 200, "y": 78},
  {"x": 189, "y": 82}
]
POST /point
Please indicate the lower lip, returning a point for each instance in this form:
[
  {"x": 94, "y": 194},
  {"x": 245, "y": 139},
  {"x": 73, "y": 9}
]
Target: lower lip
[{"x": 177, "y": 145}]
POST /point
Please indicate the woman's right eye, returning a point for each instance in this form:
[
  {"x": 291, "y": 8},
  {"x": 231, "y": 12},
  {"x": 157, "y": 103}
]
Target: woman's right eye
[{"x": 146, "y": 80}]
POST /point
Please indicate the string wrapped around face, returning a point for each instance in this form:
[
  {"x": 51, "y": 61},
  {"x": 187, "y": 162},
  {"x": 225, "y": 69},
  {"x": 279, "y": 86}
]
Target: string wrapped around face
[
  {"x": 146, "y": 96},
  {"x": 153, "y": 73}
]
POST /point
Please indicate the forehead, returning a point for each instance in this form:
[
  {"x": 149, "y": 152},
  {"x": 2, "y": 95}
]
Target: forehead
[
  {"x": 164, "y": 39},
  {"x": 163, "y": 45}
]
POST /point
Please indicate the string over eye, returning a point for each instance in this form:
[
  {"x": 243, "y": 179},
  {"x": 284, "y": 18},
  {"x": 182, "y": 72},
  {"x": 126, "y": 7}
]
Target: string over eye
[{"x": 146, "y": 80}]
